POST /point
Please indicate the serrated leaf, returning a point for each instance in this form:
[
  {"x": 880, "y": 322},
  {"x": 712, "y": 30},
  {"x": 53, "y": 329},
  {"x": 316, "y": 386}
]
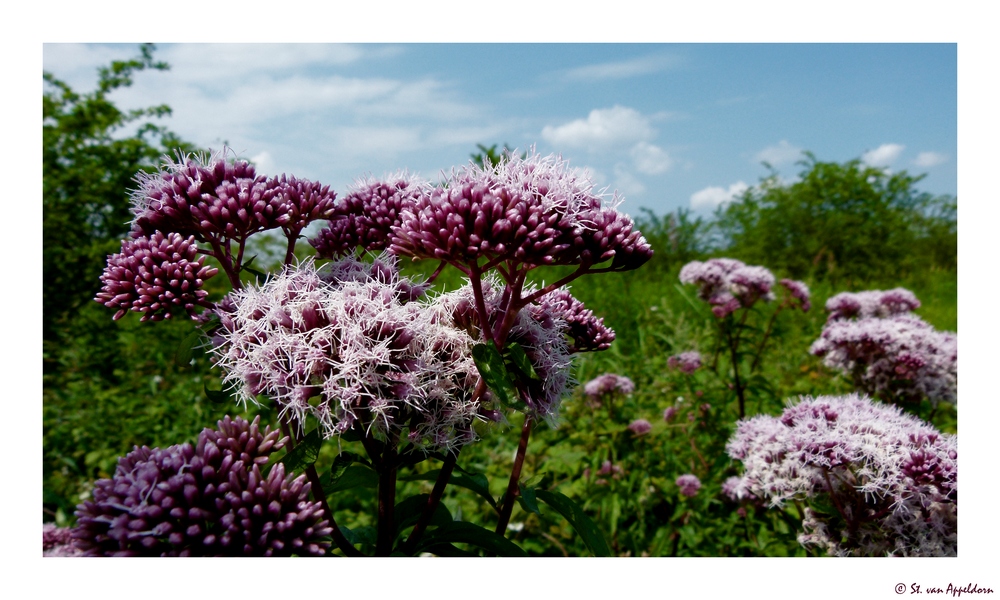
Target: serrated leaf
[
  {"x": 475, "y": 482},
  {"x": 518, "y": 358},
  {"x": 185, "y": 350},
  {"x": 494, "y": 373},
  {"x": 361, "y": 535},
  {"x": 354, "y": 476},
  {"x": 340, "y": 464},
  {"x": 460, "y": 532},
  {"x": 305, "y": 453},
  {"x": 584, "y": 525},
  {"x": 527, "y": 499}
]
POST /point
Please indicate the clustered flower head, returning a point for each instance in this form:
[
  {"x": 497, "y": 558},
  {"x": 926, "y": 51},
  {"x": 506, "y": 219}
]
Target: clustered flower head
[
  {"x": 897, "y": 356},
  {"x": 608, "y": 383},
  {"x": 210, "y": 499},
  {"x": 58, "y": 541},
  {"x": 871, "y": 304},
  {"x": 689, "y": 485},
  {"x": 686, "y": 362},
  {"x": 640, "y": 427},
  {"x": 345, "y": 345},
  {"x": 890, "y": 478},
  {"x": 215, "y": 200},
  {"x": 532, "y": 210},
  {"x": 798, "y": 293},
  {"x": 156, "y": 276},
  {"x": 368, "y": 213},
  {"x": 728, "y": 284}
]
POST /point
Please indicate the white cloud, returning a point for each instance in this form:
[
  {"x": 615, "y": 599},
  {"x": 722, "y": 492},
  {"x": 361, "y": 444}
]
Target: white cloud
[
  {"x": 712, "y": 197},
  {"x": 624, "y": 69},
  {"x": 626, "y": 184},
  {"x": 650, "y": 159},
  {"x": 883, "y": 156},
  {"x": 780, "y": 154},
  {"x": 602, "y": 127},
  {"x": 930, "y": 159},
  {"x": 264, "y": 162}
]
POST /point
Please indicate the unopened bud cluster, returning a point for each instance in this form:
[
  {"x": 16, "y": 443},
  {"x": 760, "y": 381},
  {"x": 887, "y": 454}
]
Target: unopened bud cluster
[{"x": 210, "y": 499}]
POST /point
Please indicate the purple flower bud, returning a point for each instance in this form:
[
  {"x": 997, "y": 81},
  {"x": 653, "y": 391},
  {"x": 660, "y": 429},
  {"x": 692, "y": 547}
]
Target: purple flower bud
[
  {"x": 798, "y": 291},
  {"x": 728, "y": 284},
  {"x": 871, "y": 303},
  {"x": 669, "y": 413}
]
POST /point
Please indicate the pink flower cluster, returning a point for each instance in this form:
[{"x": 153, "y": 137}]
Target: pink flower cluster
[
  {"x": 640, "y": 427},
  {"x": 686, "y": 362},
  {"x": 890, "y": 478},
  {"x": 343, "y": 346},
  {"x": 532, "y": 210},
  {"x": 156, "y": 276},
  {"x": 728, "y": 284},
  {"x": 216, "y": 200},
  {"x": 689, "y": 485},
  {"x": 871, "y": 304},
  {"x": 608, "y": 383},
  {"x": 896, "y": 356}
]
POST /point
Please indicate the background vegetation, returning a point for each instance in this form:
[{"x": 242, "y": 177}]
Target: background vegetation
[{"x": 108, "y": 386}]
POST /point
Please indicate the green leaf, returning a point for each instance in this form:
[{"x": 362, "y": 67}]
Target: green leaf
[
  {"x": 354, "y": 476},
  {"x": 185, "y": 350},
  {"x": 460, "y": 532},
  {"x": 340, "y": 464},
  {"x": 494, "y": 373},
  {"x": 305, "y": 453},
  {"x": 361, "y": 535},
  {"x": 583, "y": 524},
  {"x": 217, "y": 396},
  {"x": 476, "y": 482},
  {"x": 246, "y": 267},
  {"x": 527, "y": 499},
  {"x": 519, "y": 360},
  {"x": 408, "y": 512}
]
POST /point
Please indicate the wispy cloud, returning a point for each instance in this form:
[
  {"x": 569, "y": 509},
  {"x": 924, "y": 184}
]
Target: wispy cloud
[
  {"x": 883, "y": 156},
  {"x": 634, "y": 67},
  {"x": 650, "y": 159},
  {"x": 618, "y": 125},
  {"x": 782, "y": 153},
  {"x": 712, "y": 197},
  {"x": 930, "y": 159}
]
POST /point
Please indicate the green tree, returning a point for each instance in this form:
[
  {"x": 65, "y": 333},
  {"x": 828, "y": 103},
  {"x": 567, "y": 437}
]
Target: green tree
[
  {"x": 88, "y": 162},
  {"x": 843, "y": 222},
  {"x": 107, "y": 385}
]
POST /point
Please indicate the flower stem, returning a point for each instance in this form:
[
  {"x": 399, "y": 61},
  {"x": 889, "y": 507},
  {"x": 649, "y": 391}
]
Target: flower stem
[
  {"x": 386, "y": 502},
  {"x": 515, "y": 476},
  {"x": 432, "y": 502}
]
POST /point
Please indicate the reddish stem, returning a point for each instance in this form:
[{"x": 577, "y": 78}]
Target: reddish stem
[{"x": 515, "y": 476}]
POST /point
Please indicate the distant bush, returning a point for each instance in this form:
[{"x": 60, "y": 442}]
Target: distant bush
[{"x": 845, "y": 222}]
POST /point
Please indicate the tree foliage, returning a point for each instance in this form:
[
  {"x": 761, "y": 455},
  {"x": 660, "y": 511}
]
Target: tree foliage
[
  {"x": 845, "y": 222},
  {"x": 91, "y": 151}
]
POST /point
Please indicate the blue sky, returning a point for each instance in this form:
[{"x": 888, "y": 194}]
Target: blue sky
[{"x": 666, "y": 125}]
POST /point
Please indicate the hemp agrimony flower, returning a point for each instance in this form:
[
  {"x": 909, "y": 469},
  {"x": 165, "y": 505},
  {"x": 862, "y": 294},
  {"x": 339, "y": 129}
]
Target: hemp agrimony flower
[
  {"x": 156, "y": 276},
  {"x": 900, "y": 358},
  {"x": 209, "y": 499},
  {"x": 889, "y": 479},
  {"x": 531, "y": 210},
  {"x": 686, "y": 362},
  {"x": 689, "y": 485}
]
